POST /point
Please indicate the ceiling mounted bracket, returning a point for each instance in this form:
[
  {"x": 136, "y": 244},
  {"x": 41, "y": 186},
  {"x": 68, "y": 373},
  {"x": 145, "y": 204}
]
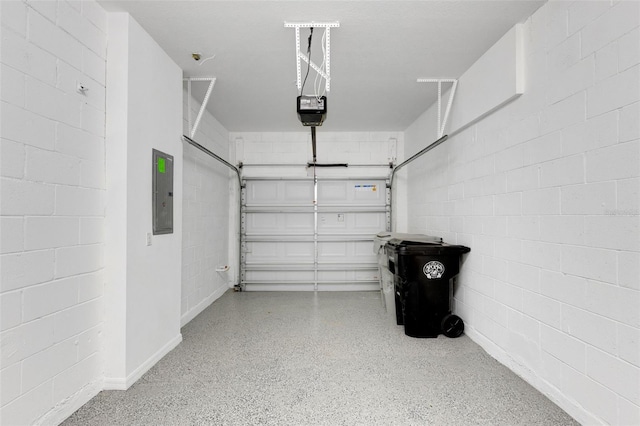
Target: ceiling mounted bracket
[
  {"x": 205, "y": 101},
  {"x": 454, "y": 84},
  {"x": 327, "y": 48}
]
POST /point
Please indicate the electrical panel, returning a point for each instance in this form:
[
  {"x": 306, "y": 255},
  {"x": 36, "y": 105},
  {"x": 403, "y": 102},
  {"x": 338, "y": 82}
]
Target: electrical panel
[{"x": 162, "y": 193}]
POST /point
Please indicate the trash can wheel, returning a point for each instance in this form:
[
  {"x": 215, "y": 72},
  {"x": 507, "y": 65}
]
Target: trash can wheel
[{"x": 452, "y": 326}]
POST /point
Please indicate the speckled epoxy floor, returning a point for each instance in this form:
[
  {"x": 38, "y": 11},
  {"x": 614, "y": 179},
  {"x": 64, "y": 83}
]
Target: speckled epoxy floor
[{"x": 318, "y": 359}]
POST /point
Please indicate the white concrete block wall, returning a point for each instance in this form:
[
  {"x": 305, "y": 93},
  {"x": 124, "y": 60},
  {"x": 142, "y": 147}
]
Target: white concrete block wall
[
  {"x": 206, "y": 222},
  {"x": 362, "y": 148},
  {"x": 52, "y": 210},
  {"x": 545, "y": 191}
]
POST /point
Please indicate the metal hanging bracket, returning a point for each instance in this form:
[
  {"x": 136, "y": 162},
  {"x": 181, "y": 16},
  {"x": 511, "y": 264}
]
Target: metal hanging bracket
[
  {"x": 205, "y": 101},
  {"x": 327, "y": 52},
  {"x": 454, "y": 83}
]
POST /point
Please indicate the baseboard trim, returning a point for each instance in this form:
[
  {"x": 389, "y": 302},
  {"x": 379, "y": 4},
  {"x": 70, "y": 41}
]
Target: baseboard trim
[
  {"x": 118, "y": 383},
  {"x": 547, "y": 389},
  {"x": 196, "y": 310}
]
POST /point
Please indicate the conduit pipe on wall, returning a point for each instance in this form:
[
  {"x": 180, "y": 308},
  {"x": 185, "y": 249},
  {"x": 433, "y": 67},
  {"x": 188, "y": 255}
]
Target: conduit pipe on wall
[
  {"x": 404, "y": 163},
  {"x": 235, "y": 169}
]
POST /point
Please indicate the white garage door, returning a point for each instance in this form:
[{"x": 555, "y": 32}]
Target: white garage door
[{"x": 298, "y": 235}]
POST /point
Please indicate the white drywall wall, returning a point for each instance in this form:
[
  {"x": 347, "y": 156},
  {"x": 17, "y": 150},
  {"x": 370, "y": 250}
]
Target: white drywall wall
[
  {"x": 492, "y": 81},
  {"x": 52, "y": 211},
  {"x": 116, "y": 209},
  {"x": 545, "y": 191},
  {"x": 149, "y": 91}
]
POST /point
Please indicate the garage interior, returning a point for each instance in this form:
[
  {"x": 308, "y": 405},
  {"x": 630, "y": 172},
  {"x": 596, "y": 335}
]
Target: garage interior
[{"x": 250, "y": 293}]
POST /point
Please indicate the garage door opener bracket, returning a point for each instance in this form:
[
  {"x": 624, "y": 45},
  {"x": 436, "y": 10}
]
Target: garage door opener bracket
[
  {"x": 454, "y": 84},
  {"x": 326, "y": 73},
  {"x": 205, "y": 101}
]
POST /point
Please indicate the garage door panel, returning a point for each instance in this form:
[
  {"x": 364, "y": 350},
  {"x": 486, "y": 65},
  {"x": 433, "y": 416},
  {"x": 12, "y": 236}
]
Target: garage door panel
[
  {"x": 276, "y": 252},
  {"x": 348, "y": 286},
  {"x": 298, "y": 192},
  {"x": 332, "y": 221},
  {"x": 282, "y": 275},
  {"x": 279, "y": 223},
  {"x": 369, "y": 193},
  {"x": 262, "y": 192},
  {"x": 298, "y": 250},
  {"x": 279, "y": 192},
  {"x": 280, "y": 286},
  {"x": 292, "y": 244},
  {"x": 350, "y": 223},
  {"x": 352, "y": 192},
  {"x": 346, "y": 276},
  {"x": 332, "y": 249},
  {"x": 335, "y": 192},
  {"x": 346, "y": 252},
  {"x": 262, "y": 223},
  {"x": 297, "y": 222},
  {"x": 370, "y": 223},
  {"x": 364, "y": 249}
]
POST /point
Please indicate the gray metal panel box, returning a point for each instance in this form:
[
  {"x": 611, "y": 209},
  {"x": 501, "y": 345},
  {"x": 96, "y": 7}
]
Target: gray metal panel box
[{"x": 162, "y": 193}]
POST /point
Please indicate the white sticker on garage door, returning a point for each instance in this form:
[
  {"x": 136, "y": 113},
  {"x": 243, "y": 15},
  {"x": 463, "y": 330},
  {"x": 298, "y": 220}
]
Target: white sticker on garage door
[{"x": 372, "y": 188}]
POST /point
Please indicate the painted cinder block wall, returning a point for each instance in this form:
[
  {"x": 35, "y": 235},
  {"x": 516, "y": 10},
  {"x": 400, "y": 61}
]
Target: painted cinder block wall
[
  {"x": 59, "y": 37},
  {"x": 53, "y": 203},
  {"x": 206, "y": 209},
  {"x": 545, "y": 191},
  {"x": 363, "y": 148},
  {"x": 57, "y": 301}
]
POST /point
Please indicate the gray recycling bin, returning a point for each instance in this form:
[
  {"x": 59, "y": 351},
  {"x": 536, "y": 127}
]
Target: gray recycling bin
[
  {"x": 385, "y": 276},
  {"x": 423, "y": 271}
]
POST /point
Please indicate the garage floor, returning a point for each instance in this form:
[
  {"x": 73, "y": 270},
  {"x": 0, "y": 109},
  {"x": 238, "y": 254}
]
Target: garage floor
[{"x": 318, "y": 359}]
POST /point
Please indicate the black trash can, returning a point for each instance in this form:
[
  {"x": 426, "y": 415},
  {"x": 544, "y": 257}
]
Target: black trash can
[
  {"x": 387, "y": 281},
  {"x": 423, "y": 270}
]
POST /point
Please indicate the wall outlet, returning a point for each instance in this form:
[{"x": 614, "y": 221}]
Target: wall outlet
[{"x": 148, "y": 238}]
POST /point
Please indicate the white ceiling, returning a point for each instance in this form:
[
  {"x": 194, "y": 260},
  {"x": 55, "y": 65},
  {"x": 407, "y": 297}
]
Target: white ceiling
[{"x": 377, "y": 53}]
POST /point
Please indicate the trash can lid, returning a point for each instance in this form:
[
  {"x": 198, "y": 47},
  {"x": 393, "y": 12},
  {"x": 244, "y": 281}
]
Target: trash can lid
[
  {"x": 408, "y": 237},
  {"x": 425, "y": 246},
  {"x": 381, "y": 239}
]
